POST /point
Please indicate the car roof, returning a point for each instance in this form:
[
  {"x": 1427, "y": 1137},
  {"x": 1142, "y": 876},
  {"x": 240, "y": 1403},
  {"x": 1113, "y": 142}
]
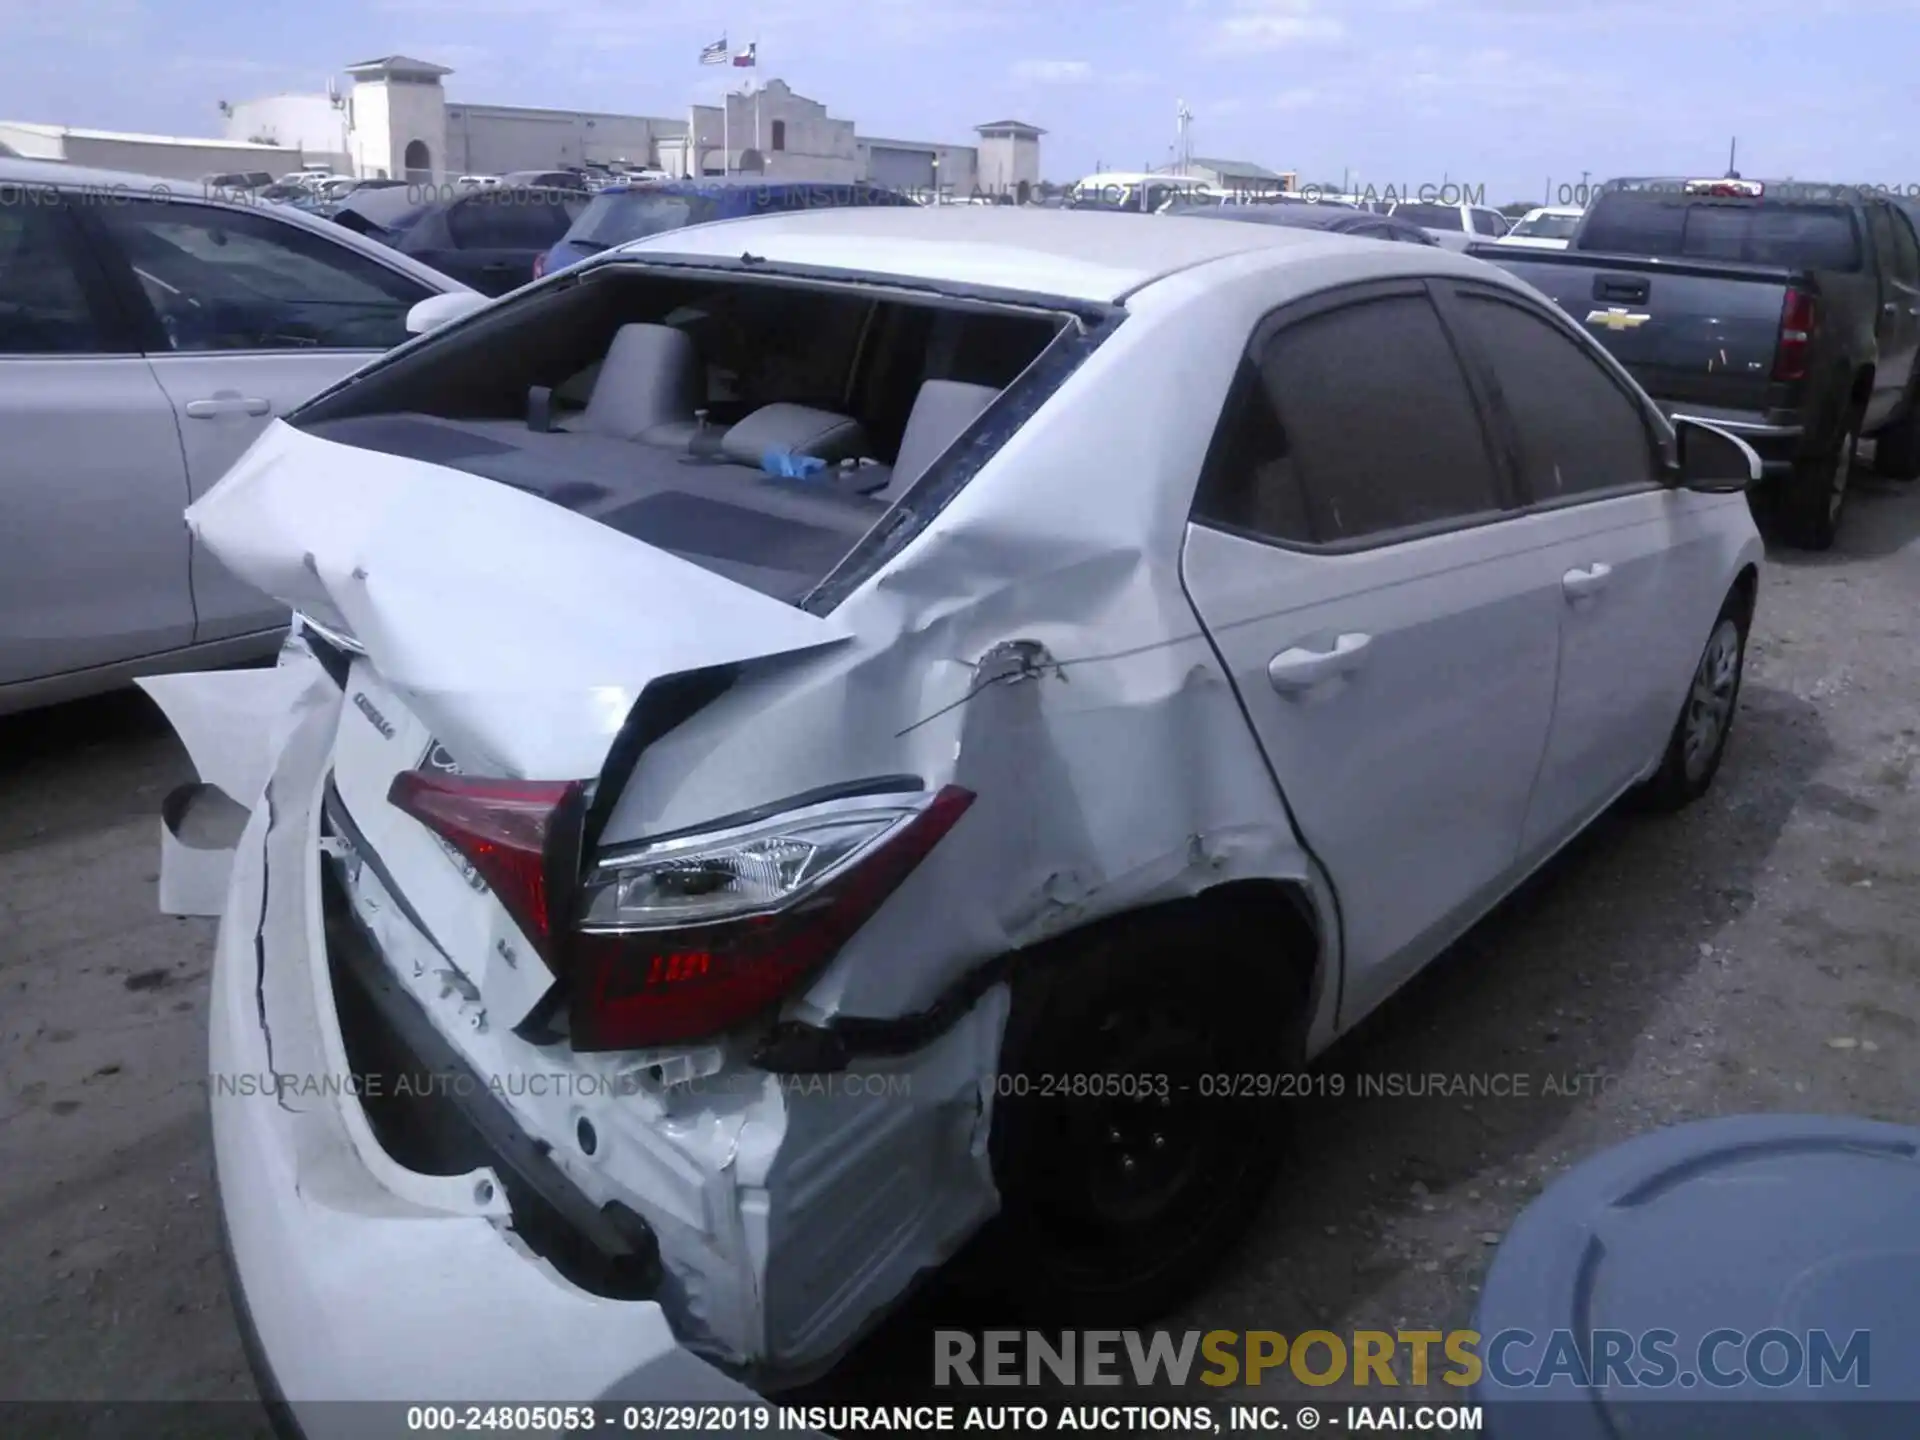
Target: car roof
[
  {"x": 105, "y": 184},
  {"x": 1075, "y": 255}
]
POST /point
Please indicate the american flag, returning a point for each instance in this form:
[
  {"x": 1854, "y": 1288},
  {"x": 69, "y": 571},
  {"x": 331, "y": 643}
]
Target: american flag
[{"x": 716, "y": 53}]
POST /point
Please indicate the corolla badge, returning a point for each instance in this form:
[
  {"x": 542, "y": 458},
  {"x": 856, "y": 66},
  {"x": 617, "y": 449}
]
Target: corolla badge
[{"x": 365, "y": 707}]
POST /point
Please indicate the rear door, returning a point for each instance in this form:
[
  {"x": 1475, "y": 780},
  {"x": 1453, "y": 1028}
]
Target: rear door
[
  {"x": 93, "y": 551},
  {"x": 244, "y": 316},
  {"x": 1388, "y": 627},
  {"x": 1636, "y": 565}
]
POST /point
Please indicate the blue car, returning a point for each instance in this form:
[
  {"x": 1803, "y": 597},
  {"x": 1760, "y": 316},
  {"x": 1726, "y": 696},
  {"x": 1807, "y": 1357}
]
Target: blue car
[{"x": 621, "y": 213}]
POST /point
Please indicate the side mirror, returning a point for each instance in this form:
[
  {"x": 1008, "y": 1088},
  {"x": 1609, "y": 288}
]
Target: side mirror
[
  {"x": 1713, "y": 460},
  {"x": 431, "y": 314}
]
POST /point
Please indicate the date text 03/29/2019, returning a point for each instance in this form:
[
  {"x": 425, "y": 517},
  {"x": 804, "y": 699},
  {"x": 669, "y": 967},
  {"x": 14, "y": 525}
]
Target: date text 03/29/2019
[
  {"x": 1303, "y": 1085},
  {"x": 699, "y": 1420}
]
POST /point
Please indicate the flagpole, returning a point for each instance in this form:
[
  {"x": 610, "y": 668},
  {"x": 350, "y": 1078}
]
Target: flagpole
[{"x": 726, "y": 113}]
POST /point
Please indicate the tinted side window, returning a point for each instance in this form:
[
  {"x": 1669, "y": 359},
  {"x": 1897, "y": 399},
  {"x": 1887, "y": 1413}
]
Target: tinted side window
[
  {"x": 43, "y": 305},
  {"x": 1578, "y": 430},
  {"x": 1249, "y": 481},
  {"x": 242, "y": 280},
  {"x": 1378, "y": 430}
]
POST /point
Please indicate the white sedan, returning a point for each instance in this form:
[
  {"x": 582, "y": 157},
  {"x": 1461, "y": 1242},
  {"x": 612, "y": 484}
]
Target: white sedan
[
  {"x": 149, "y": 331},
  {"x": 824, "y": 739},
  {"x": 1548, "y": 228}
]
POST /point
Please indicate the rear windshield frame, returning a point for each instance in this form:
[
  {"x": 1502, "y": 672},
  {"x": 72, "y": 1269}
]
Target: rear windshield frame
[
  {"x": 1084, "y": 326},
  {"x": 1617, "y": 223}
]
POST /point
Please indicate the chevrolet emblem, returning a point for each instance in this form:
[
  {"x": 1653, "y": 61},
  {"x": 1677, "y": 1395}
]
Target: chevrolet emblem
[{"x": 1617, "y": 317}]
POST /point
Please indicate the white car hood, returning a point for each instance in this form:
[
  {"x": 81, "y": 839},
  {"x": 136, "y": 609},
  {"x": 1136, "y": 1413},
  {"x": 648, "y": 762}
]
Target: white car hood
[{"x": 520, "y": 631}]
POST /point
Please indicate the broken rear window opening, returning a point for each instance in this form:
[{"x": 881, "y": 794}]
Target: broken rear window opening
[{"x": 758, "y": 424}]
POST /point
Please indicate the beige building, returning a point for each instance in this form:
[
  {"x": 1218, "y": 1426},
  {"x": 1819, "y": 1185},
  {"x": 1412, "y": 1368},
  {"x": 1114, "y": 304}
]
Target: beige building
[{"x": 397, "y": 121}]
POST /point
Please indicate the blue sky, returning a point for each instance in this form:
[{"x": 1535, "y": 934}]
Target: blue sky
[{"x": 1511, "y": 94}]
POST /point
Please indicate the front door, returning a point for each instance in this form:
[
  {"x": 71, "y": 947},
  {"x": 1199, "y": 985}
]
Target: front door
[
  {"x": 247, "y": 316},
  {"x": 1386, "y": 626},
  {"x": 1631, "y": 557},
  {"x": 93, "y": 553}
]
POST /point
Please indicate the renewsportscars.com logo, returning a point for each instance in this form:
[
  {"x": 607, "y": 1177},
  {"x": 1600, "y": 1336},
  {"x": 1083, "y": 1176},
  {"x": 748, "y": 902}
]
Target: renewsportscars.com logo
[{"x": 1513, "y": 1359}]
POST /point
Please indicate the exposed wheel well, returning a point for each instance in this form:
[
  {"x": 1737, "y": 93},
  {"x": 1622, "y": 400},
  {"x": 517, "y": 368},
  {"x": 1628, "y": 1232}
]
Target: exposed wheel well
[
  {"x": 1280, "y": 912},
  {"x": 1746, "y": 589}
]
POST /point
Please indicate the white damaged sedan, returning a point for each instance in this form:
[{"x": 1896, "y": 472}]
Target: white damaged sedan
[{"x": 822, "y": 744}]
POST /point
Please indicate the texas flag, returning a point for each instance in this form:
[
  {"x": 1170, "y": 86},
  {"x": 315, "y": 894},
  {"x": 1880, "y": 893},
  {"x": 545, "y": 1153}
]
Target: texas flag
[{"x": 745, "y": 58}]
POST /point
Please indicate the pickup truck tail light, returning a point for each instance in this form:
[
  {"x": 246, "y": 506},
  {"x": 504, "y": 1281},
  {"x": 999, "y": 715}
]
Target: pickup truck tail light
[
  {"x": 1797, "y": 317},
  {"x": 685, "y": 937}
]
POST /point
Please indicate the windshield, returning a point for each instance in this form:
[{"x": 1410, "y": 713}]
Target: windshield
[
  {"x": 1432, "y": 217},
  {"x": 1548, "y": 227},
  {"x": 1808, "y": 237},
  {"x": 617, "y": 217}
]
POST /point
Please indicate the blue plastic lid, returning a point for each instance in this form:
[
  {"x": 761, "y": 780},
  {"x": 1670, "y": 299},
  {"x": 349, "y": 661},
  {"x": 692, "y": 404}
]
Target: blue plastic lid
[{"x": 1808, "y": 1225}]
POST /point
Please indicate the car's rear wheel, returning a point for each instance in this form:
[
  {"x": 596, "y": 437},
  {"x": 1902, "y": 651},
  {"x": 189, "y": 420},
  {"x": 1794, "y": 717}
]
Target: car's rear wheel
[
  {"x": 1699, "y": 739},
  {"x": 1136, "y": 1126},
  {"x": 1816, "y": 493}
]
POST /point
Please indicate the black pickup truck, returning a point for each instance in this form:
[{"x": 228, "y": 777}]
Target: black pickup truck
[{"x": 1786, "y": 312}]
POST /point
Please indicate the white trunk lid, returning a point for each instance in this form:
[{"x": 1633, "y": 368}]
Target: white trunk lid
[{"x": 503, "y": 635}]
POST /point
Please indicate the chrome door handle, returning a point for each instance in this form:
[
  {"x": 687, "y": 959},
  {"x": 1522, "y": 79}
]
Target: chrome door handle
[
  {"x": 1578, "y": 584},
  {"x": 1297, "y": 669},
  {"x": 228, "y": 402}
]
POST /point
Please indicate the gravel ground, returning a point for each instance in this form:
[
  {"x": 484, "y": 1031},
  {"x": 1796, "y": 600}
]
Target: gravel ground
[{"x": 1758, "y": 953}]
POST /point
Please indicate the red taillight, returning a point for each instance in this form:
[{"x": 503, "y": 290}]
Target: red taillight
[
  {"x": 539, "y": 265},
  {"x": 503, "y": 828},
  {"x": 640, "y": 988},
  {"x": 1796, "y": 336}
]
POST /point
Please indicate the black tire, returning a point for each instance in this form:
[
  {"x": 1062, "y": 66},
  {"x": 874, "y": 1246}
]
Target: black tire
[
  {"x": 1116, "y": 1207},
  {"x": 1896, "y": 449},
  {"x": 1816, "y": 493},
  {"x": 1699, "y": 739}
]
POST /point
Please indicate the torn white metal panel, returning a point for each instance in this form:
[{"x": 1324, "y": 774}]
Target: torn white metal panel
[
  {"x": 233, "y": 724},
  {"x": 520, "y": 631}
]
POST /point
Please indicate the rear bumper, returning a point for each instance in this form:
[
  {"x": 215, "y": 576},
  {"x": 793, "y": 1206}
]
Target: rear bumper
[
  {"x": 463, "y": 1250},
  {"x": 355, "y": 1278}
]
